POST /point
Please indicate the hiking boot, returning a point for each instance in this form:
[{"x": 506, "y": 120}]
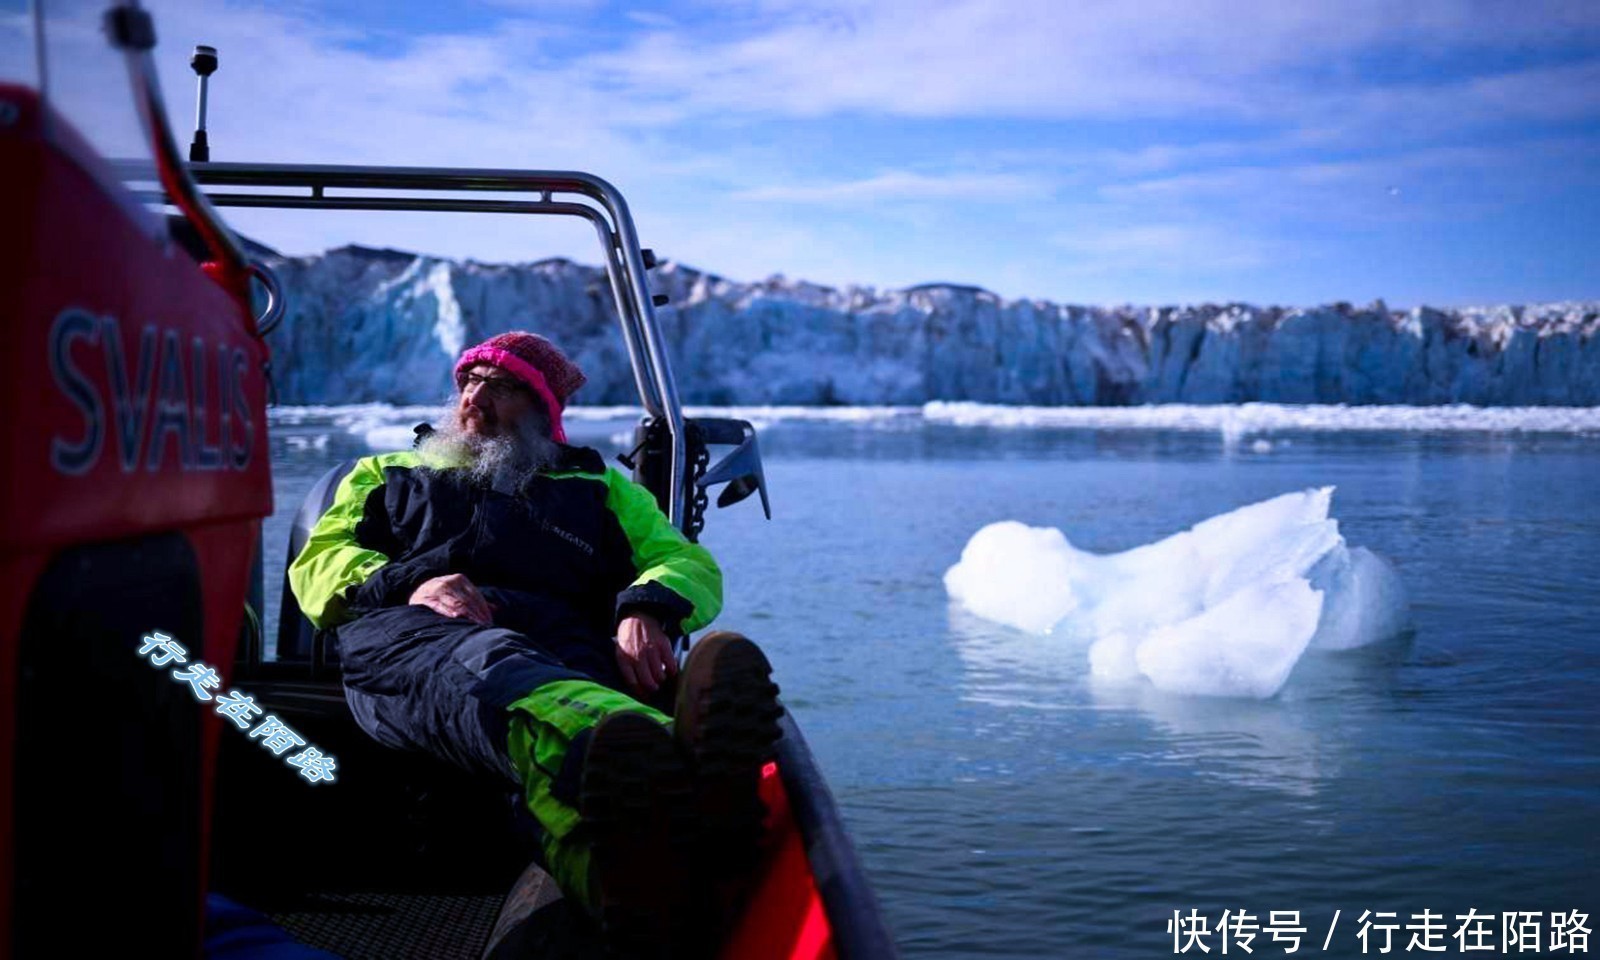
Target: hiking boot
[
  {"x": 637, "y": 802},
  {"x": 726, "y": 721}
]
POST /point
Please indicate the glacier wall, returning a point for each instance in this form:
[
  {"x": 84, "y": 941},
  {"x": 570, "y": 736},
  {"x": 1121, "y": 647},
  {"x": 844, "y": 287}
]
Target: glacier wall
[{"x": 379, "y": 325}]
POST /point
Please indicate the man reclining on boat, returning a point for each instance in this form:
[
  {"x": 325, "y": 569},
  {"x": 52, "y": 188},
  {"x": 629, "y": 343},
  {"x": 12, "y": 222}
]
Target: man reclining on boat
[{"x": 475, "y": 586}]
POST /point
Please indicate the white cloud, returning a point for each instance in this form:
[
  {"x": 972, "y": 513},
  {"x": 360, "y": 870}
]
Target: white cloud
[
  {"x": 1160, "y": 247},
  {"x": 312, "y": 93},
  {"x": 655, "y": 21},
  {"x": 1331, "y": 191},
  {"x": 904, "y": 185},
  {"x": 1043, "y": 59},
  {"x": 1242, "y": 113},
  {"x": 545, "y": 6}
]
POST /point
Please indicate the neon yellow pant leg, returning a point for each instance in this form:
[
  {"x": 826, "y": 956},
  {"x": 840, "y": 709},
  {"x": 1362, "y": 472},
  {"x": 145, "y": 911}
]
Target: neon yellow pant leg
[{"x": 543, "y": 726}]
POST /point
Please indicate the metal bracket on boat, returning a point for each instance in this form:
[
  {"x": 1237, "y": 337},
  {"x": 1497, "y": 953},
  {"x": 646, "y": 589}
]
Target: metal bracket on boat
[
  {"x": 272, "y": 313},
  {"x": 741, "y": 470}
]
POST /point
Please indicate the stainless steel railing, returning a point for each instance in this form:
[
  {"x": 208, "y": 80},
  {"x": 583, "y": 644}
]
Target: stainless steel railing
[{"x": 591, "y": 198}]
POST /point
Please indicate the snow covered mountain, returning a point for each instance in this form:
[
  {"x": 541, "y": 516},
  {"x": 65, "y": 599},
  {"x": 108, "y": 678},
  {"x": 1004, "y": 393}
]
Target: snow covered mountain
[{"x": 380, "y": 325}]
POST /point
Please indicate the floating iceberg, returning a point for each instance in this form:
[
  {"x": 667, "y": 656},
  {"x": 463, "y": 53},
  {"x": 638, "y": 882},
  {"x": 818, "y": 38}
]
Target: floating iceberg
[{"x": 1225, "y": 608}]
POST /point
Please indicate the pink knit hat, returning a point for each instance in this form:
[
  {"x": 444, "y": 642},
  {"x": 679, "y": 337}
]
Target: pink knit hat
[{"x": 536, "y": 362}]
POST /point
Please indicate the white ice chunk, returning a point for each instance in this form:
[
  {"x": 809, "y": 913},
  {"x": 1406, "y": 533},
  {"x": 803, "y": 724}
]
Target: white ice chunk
[
  {"x": 300, "y": 442},
  {"x": 1236, "y": 421},
  {"x": 1366, "y": 600},
  {"x": 1115, "y": 656},
  {"x": 1273, "y": 540},
  {"x": 1239, "y": 421},
  {"x": 1225, "y": 608},
  {"x": 1015, "y": 574},
  {"x": 390, "y": 437},
  {"x": 1244, "y": 646}
]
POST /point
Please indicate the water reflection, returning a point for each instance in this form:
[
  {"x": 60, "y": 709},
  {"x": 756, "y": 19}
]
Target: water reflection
[
  {"x": 1249, "y": 743},
  {"x": 1293, "y": 743}
]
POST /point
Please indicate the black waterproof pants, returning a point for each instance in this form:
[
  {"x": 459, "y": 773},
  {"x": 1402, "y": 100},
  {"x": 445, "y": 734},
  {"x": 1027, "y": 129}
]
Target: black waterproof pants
[
  {"x": 418, "y": 680},
  {"x": 491, "y": 700}
]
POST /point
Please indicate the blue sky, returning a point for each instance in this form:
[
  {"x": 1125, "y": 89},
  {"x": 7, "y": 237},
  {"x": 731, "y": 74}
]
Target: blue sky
[{"x": 1144, "y": 151}]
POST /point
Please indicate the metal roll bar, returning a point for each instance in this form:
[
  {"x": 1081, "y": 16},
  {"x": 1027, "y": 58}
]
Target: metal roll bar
[{"x": 606, "y": 210}]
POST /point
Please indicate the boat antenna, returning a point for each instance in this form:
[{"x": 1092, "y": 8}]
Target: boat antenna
[{"x": 204, "y": 63}]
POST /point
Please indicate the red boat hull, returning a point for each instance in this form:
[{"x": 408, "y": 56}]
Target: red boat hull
[{"x": 136, "y": 476}]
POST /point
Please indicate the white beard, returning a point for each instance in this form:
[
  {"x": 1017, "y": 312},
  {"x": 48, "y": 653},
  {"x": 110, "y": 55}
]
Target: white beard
[{"x": 504, "y": 462}]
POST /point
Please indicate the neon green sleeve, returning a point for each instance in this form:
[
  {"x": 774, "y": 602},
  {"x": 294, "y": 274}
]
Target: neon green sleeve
[
  {"x": 332, "y": 561},
  {"x": 674, "y": 575}
]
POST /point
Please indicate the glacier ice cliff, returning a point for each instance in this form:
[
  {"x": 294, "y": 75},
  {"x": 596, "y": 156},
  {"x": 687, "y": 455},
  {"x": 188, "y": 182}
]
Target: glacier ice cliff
[{"x": 381, "y": 325}]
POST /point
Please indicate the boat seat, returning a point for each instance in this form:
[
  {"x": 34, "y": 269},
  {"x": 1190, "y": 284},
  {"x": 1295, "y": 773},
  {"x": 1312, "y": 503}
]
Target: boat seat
[{"x": 298, "y": 640}]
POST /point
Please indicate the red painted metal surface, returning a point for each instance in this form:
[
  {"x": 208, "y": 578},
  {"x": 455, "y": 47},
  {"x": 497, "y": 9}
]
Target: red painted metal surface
[
  {"x": 134, "y": 400},
  {"x": 784, "y": 917},
  {"x": 134, "y": 391}
]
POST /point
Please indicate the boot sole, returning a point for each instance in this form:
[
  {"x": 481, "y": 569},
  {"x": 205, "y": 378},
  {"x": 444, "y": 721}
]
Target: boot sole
[
  {"x": 638, "y": 803},
  {"x": 727, "y": 725}
]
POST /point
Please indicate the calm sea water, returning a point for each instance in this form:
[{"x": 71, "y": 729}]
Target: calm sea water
[{"x": 1005, "y": 806}]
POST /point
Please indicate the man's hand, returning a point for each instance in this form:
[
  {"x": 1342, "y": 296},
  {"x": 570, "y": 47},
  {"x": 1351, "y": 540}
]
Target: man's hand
[
  {"x": 644, "y": 653},
  {"x": 454, "y": 596}
]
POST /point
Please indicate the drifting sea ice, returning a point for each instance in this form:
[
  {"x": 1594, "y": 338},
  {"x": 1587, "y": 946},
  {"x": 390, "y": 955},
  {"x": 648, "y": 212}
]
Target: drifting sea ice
[{"x": 1225, "y": 608}]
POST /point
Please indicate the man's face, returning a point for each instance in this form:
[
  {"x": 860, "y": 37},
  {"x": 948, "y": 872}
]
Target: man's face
[{"x": 492, "y": 402}]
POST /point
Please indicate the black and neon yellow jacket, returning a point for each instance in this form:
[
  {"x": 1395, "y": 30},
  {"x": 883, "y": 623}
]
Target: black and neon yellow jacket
[{"x": 570, "y": 553}]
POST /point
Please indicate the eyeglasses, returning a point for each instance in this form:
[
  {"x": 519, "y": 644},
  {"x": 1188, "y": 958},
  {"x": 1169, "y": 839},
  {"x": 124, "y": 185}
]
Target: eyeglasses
[{"x": 498, "y": 388}]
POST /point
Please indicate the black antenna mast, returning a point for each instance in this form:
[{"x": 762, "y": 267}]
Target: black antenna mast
[{"x": 204, "y": 63}]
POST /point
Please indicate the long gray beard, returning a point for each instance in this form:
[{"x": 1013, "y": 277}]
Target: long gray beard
[{"x": 504, "y": 463}]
